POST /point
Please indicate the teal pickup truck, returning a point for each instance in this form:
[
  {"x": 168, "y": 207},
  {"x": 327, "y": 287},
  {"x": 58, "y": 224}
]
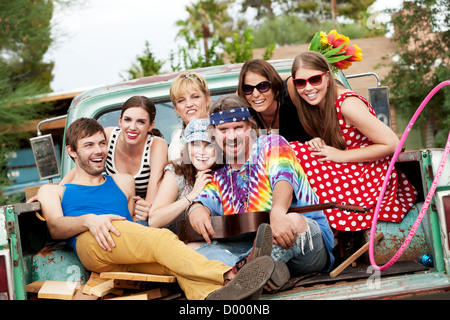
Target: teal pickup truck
[{"x": 28, "y": 254}]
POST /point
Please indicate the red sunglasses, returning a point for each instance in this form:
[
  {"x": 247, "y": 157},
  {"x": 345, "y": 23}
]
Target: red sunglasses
[{"x": 314, "y": 81}]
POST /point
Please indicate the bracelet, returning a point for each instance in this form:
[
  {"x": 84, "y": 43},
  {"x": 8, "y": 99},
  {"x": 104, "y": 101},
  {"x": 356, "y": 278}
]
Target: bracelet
[
  {"x": 190, "y": 201},
  {"x": 195, "y": 206}
]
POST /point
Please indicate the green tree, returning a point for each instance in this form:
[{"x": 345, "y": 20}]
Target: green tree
[
  {"x": 24, "y": 38},
  {"x": 207, "y": 19},
  {"x": 311, "y": 11},
  {"x": 192, "y": 55},
  {"x": 146, "y": 65},
  {"x": 284, "y": 30},
  {"x": 422, "y": 33},
  {"x": 263, "y": 7},
  {"x": 240, "y": 49}
]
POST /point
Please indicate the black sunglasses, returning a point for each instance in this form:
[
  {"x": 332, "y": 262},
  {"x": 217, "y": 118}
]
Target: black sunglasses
[{"x": 261, "y": 87}]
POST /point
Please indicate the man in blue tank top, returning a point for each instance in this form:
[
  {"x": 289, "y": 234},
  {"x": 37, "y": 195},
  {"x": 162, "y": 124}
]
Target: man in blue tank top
[{"x": 93, "y": 214}]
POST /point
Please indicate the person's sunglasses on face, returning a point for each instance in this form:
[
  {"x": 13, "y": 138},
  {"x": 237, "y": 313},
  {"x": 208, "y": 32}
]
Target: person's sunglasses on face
[
  {"x": 314, "y": 81},
  {"x": 262, "y": 87}
]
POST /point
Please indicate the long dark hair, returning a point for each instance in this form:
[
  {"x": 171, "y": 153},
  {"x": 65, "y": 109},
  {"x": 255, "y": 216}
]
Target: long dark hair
[
  {"x": 146, "y": 104},
  {"x": 317, "y": 123},
  {"x": 265, "y": 69}
]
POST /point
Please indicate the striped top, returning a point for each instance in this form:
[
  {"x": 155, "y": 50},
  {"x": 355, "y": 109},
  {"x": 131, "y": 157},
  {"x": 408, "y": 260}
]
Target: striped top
[{"x": 143, "y": 176}]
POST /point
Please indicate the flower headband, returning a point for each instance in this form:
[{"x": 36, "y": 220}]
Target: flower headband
[
  {"x": 336, "y": 49},
  {"x": 232, "y": 115}
]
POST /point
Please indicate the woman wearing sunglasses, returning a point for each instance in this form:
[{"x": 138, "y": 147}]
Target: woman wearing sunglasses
[
  {"x": 349, "y": 156},
  {"x": 190, "y": 97},
  {"x": 268, "y": 97}
]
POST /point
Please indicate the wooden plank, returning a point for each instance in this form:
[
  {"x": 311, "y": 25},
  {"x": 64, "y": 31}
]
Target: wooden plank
[
  {"x": 129, "y": 284},
  {"x": 353, "y": 257},
  {"x": 103, "y": 288},
  {"x": 146, "y": 295},
  {"x": 61, "y": 290},
  {"x": 79, "y": 295},
  {"x": 34, "y": 287},
  {"x": 137, "y": 277},
  {"x": 94, "y": 280}
]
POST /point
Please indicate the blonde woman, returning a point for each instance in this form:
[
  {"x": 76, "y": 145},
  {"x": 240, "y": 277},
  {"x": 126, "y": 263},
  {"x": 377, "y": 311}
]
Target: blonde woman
[{"x": 191, "y": 99}]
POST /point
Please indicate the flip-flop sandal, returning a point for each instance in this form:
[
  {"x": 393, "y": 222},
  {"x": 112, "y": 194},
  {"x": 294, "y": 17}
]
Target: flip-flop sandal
[{"x": 248, "y": 282}]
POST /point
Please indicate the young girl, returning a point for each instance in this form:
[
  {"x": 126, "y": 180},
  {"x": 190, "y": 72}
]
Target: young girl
[
  {"x": 184, "y": 178},
  {"x": 349, "y": 156}
]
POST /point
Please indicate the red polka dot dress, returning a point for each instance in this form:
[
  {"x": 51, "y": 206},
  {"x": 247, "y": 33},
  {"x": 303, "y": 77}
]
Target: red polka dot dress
[{"x": 356, "y": 183}]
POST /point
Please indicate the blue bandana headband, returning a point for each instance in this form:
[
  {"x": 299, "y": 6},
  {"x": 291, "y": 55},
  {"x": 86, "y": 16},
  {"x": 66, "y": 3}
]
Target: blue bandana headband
[{"x": 232, "y": 115}]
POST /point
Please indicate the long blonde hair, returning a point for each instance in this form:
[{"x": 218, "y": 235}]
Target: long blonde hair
[{"x": 324, "y": 125}]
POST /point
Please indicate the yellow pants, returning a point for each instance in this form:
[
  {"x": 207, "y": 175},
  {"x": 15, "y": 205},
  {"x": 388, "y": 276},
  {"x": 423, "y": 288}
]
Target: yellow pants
[{"x": 155, "y": 251}]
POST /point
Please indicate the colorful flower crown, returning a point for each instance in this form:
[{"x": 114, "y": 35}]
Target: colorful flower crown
[{"x": 336, "y": 49}]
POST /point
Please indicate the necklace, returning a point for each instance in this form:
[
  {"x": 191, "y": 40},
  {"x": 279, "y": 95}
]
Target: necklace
[
  {"x": 269, "y": 128},
  {"x": 245, "y": 177}
]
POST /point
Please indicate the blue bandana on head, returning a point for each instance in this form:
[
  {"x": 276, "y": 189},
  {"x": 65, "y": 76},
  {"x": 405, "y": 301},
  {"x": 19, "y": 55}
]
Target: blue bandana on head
[{"x": 232, "y": 115}]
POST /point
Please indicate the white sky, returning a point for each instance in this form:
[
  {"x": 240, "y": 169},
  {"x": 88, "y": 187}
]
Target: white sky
[{"x": 98, "y": 41}]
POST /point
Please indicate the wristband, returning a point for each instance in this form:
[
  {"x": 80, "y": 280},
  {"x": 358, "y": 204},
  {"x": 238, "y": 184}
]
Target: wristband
[
  {"x": 190, "y": 201},
  {"x": 195, "y": 206}
]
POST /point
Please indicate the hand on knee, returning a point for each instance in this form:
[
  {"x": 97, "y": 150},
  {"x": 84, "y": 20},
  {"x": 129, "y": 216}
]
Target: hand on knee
[{"x": 298, "y": 221}]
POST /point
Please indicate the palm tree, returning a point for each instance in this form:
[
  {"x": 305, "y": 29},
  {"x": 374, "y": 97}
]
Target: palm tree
[
  {"x": 207, "y": 18},
  {"x": 146, "y": 65}
]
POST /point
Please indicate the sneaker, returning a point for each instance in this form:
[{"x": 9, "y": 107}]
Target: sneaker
[
  {"x": 248, "y": 282},
  {"x": 262, "y": 246},
  {"x": 279, "y": 277}
]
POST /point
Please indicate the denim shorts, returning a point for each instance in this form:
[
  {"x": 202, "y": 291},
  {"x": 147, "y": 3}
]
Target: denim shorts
[{"x": 308, "y": 255}]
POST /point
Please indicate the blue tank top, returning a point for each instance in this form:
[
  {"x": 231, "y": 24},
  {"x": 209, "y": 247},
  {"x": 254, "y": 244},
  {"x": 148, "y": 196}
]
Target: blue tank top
[{"x": 106, "y": 198}]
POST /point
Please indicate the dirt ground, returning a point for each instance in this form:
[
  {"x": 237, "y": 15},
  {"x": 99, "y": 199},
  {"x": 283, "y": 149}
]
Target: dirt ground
[{"x": 377, "y": 54}]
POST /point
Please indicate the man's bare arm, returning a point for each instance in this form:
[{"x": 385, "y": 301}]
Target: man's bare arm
[
  {"x": 280, "y": 223},
  {"x": 61, "y": 227},
  {"x": 200, "y": 219}
]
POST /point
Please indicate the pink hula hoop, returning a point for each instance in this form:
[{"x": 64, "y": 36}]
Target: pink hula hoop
[{"x": 386, "y": 180}]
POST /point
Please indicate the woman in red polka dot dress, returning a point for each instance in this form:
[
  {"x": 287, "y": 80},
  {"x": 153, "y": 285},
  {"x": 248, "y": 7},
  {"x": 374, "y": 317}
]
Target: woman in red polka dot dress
[{"x": 348, "y": 160}]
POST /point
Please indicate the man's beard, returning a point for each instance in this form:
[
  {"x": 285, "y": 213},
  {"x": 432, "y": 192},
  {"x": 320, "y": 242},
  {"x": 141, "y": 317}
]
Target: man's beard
[
  {"x": 89, "y": 169},
  {"x": 236, "y": 156}
]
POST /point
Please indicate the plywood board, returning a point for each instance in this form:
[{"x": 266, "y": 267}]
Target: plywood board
[
  {"x": 103, "y": 288},
  {"x": 34, "y": 287},
  {"x": 61, "y": 290},
  {"x": 146, "y": 295},
  {"x": 93, "y": 281},
  {"x": 79, "y": 295},
  {"x": 138, "y": 277}
]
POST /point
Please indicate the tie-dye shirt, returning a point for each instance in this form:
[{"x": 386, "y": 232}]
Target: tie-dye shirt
[{"x": 271, "y": 160}]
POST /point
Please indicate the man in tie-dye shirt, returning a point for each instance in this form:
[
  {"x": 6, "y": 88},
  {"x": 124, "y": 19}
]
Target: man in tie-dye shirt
[{"x": 260, "y": 174}]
